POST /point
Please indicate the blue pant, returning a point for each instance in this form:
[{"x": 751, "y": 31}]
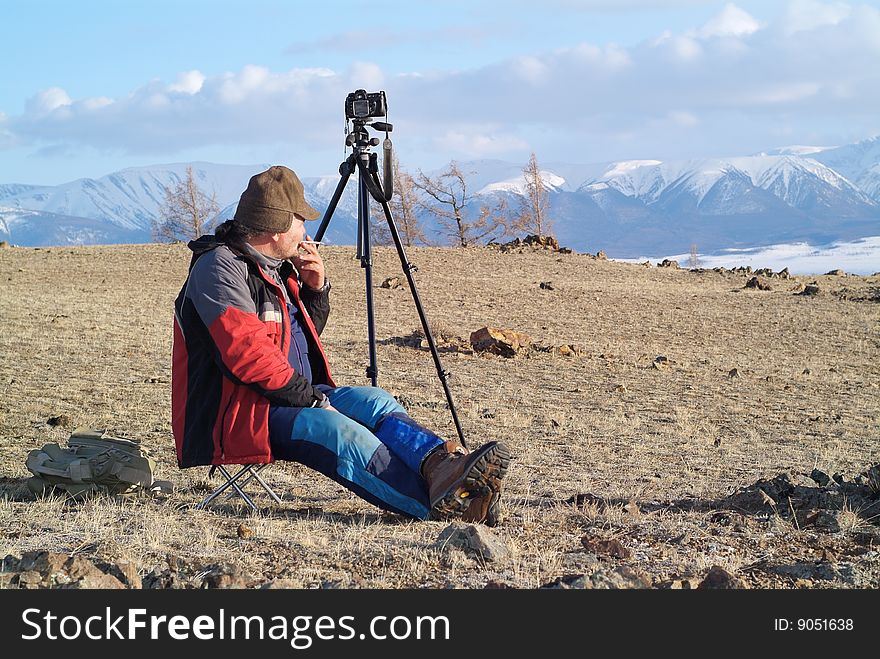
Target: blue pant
[{"x": 370, "y": 446}]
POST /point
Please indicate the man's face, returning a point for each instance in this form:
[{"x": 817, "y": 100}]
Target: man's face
[{"x": 287, "y": 242}]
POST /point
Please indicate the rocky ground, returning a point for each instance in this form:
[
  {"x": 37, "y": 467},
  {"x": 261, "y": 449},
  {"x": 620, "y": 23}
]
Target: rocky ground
[{"x": 673, "y": 428}]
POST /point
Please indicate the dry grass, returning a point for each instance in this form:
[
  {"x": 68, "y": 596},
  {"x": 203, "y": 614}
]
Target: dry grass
[{"x": 86, "y": 332}]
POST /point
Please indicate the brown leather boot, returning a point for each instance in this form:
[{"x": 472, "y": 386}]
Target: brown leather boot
[
  {"x": 486, "y": 509},
  {"x": 456, "y": 477}
]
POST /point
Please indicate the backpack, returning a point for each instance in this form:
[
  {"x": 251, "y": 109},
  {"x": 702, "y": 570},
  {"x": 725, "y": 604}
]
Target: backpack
[{"x": 94, "y": 462}]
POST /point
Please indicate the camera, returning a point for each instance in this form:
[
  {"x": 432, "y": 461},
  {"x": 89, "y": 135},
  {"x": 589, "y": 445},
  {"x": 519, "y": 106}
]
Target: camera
[{"x": 360, "y": 105}]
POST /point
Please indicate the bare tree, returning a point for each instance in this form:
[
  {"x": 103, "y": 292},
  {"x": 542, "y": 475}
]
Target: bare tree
[
  {"x": 404, "y": 207},
  {"x": 380, "y": 234},
  {"x": 694, "y": 259},
  {"x": 533, "y": 206},
  {"x": 185, "y": 211},
  {"x": 450, "y": 205}
]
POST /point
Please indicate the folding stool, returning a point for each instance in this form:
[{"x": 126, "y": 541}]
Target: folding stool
[{"x": 237, "y": 482}]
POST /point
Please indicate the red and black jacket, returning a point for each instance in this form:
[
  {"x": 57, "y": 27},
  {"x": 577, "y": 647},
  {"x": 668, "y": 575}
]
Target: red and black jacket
[{"x": 230, "y": 355}]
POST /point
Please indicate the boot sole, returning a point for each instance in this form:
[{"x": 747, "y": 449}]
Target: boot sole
[{"x": 483, "y": 477}]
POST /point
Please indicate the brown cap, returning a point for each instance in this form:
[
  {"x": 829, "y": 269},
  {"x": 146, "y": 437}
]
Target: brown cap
[{"x": 271, "y": 199}]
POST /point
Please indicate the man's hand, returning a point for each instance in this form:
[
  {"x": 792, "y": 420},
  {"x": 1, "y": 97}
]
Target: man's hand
[{"x": 310, "y": 265}]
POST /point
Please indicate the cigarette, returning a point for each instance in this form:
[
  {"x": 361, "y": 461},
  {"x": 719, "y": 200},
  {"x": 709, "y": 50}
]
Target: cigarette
[{"x": 310, "y": 242}]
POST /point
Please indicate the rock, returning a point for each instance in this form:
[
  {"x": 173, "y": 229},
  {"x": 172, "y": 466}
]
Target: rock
[
  {"x": 52, "y": 570},
  {"x": 567, "y": 350},
  {"x": 759, "y": 283},
  {"x": 225, "y": 577},
  {"x": 4, "y": 244},
  {"x": 601, "y": 255},
  {"x": 621, "y": 388},
  {"x": 477, "y": 541},
  {"x": 161, "y": 579},
  {"x": 498, "y": 341},
  {"x": 820, "y": 477},
  {"x": 30, "y": 579},
  {"x": 97, "y": 580},
  {"x": 60, "y": 420},
  {"x": 282, "y": 584},
  {"x": 547, "y": 242},
  {"x": 806, "y": 371},
  {"x": 496, "y": 585},
  {"x": 547, "y": 286},
  {"x": 611, "y": 547},
  {"x": 821, "y": 571},
  {"x": 569, "y": 582},
  {"x": 836, "y": 273},
  {"x": 733, "y": 373},
  {"x": 784, "y": 274},
  {"x": 621, "y": 577},
  {"x": 871, "y": 476},
  {"x": 810, "y": 290},
  {"x": 763, "y": 493},
  {"x": 127, "y": 573},
  {"x": 719, "y": 578},
  {"x": 660, "y": 363},
  {"x": 391, "y": 282},
  {"x": 244, "y": 532},
  {"x": 10, "y": 563},
  {"x": 685, "y": 583},
  {"x": 666, "y": 263},
  {"x": 49, "y": 564},
  {"x": 648, "y": 264},
  {"x": 828, "y": 521}
]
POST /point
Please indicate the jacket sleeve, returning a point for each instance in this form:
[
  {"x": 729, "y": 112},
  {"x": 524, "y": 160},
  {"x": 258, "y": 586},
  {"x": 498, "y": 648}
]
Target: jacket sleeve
[
  {"x": 245, "y": 351},
  {"x": 317, "y": 305}
]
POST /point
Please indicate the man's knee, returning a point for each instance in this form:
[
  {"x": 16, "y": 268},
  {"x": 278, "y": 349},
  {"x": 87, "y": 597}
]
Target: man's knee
[
  {"x": 367, "y": 405},
  {"x": 337, "y": 433}
]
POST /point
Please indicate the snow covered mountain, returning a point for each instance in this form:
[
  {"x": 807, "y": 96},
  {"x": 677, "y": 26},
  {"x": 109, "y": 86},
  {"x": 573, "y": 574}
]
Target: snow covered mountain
[{"x": 627, "y": 208}]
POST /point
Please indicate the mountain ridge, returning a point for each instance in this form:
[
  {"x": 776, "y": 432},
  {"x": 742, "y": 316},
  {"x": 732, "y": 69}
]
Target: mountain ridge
[{"x": 623, "y": 207}]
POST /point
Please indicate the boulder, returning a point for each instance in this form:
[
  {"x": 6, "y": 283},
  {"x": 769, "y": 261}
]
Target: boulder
[
  {"x": 720, "y": 579},
  {"x": 474, "y": 540},
  {"x": 504, "y": 342},
  {"x": 759, "y": 283}
]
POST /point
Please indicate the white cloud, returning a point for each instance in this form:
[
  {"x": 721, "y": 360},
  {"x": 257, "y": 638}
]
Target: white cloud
[
  {"x": 189, "y": 82},
  {"x": 727, "y": 87},
  {"x": 479, "y": 142},
  {"x": 531, "y": 69},
  {"x": 731, "y": 22},
  {"x": 366, "y": 75},
  {"x": 803, "y": 15},
  {"x": 48, "y": 101}
]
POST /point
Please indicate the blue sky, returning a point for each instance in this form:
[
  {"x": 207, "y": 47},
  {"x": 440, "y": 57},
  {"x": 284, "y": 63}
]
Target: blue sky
[{"x": 90, "y": 87}]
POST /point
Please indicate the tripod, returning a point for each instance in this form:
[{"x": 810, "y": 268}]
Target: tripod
[{"x": 365, "y": 162}]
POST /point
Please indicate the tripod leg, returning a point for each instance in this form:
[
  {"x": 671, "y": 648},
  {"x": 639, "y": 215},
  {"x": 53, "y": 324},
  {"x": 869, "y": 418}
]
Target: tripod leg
[
  {"x": 346, "y": 169},
  {"x": 408, "y": 269},
  {"x": 366, "y": 257}
]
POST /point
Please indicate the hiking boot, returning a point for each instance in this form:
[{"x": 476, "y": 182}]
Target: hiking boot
[
  {"x": 486, "y": 508},
  {"x": 456, "y": 477}
]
